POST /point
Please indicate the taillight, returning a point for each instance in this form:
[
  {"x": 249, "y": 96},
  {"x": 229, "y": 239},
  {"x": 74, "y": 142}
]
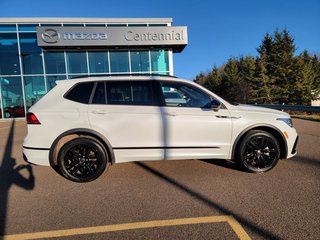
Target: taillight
[{"x": 32, "y": 119}]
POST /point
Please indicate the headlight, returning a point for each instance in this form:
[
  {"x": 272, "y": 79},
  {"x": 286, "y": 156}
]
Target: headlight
[{"x": 286, "y": 120}]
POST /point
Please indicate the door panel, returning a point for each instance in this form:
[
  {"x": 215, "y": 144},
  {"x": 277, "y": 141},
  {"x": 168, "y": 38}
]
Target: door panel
[
  {"x": 193, "y": 129},
  {"x": 128, "y": 126},
  {"x": 197, "y": 133},
  {"x": 125, "y": 114}
]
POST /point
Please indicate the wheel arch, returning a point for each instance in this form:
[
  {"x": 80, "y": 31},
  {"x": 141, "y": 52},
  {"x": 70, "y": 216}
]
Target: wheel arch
[
  {"x": 78, "y": 132},
  {"x": 267, "y": 128}
]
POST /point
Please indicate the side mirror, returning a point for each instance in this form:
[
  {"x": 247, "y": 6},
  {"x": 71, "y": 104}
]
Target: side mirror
[{"x": 215, "y": 105}]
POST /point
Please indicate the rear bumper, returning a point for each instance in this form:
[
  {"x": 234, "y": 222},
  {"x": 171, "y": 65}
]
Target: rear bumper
[{"x": 38, "y": 156}]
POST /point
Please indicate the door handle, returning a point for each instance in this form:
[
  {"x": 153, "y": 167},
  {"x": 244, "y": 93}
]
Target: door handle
[
  {"x": 232, "y": 117},
  {"x": 101, "y": 112},
  {"x": 171, "y": 114}
]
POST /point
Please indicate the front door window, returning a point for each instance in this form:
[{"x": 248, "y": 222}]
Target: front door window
[{"x": 182, "y": 95}]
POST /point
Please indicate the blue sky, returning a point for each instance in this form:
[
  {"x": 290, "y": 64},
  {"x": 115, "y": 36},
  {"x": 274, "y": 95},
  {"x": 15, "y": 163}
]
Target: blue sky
[{"x": 217, "y": 30}]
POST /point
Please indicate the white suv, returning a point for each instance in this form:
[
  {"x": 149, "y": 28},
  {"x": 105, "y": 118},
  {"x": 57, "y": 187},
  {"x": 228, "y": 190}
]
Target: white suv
[{"x": 84, "y": 125}]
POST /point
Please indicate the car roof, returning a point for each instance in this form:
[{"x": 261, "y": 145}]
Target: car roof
[
  {"x": 66, "y": 84},
  {"x": 120, "y": 77}
]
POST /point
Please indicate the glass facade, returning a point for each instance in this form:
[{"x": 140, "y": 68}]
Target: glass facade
[
  {"x": 140, "y": 61},
  {"x": 28, "y": 72},
  {"x": 98, "y": 62}
]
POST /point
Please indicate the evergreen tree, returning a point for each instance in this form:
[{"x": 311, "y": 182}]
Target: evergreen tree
[
  {"x": 261, "y": 89},
  {"x": 316, "y": 81},
  {"x": 232, "y": 88},
  {"x": 276, "y": 75},
  {"x": 213, "y": 81},
  {"x": 201, "y": 78},
  {"x": 278, "y": 67},
  {"x": 283, "y": 67},
  {"x": 247, "y": 67},
  {"x": 304, "y": 81},
  {"x": 265, "y": 48},
  {"x": 263, "y": 85}
]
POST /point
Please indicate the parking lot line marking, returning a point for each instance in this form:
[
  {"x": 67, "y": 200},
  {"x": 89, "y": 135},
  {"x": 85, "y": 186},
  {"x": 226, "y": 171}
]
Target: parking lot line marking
[
  {"x": 234, "y": 224},
  {"x": 237, "y": 228}
]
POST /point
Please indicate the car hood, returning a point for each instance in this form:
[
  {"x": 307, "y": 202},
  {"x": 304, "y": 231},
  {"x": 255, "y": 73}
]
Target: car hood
[{"x": 250, "y": 108}]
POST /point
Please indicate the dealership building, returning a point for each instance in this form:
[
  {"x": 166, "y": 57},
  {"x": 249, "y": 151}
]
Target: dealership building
[{"x": 35, "y": 52}]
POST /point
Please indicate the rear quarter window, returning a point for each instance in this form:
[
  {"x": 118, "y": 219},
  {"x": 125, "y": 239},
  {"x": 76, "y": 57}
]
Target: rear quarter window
[{"x": 80, "y": 93}]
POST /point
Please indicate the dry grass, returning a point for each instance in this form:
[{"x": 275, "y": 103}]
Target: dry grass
[{"x": 315, "y": 117}]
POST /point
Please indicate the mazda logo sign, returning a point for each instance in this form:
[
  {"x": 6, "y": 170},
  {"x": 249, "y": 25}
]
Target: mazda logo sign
[{"x": 50, "y": 36}]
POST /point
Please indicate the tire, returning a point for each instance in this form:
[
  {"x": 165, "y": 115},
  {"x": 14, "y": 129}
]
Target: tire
[
  {"x": 259, "y": 152},
  {"x": 82, "y": 159}
]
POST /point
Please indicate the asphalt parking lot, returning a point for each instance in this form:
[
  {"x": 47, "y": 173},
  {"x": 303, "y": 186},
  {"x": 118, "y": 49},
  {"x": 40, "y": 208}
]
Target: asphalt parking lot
[{"x": 190, "y": 199}]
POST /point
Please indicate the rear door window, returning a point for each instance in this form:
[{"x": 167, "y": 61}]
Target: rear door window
[
  {"x": 99, "y": 96},
  {"x": 130, "y": 93}
]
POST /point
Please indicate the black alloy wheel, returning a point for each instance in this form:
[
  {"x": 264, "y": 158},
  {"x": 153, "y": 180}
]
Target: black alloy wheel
[
  {"x": 259, "y": 151},
  {"x": 82, "y": 159}
]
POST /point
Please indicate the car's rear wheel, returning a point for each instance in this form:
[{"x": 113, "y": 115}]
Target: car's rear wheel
[
  {"x": 258, "y": 152},
  {"x": 82, "y": 159}
]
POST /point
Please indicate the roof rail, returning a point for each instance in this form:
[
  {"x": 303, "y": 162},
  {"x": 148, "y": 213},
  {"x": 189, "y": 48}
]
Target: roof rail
[{"x": 123, "y": 75}]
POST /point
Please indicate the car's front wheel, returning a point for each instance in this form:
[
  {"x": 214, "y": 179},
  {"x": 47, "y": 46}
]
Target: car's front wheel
[
  {"x": 259, "y": 151},
  {"x": 82, "y": 159}
]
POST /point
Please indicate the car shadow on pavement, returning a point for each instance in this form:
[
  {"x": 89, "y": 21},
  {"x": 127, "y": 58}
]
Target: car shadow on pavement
[
  {"x": 223, "y": 163},
  {"x": 262, "y": 233},
  {"x": 305, "y": 160},
  {"x": 10, "y": 174}
]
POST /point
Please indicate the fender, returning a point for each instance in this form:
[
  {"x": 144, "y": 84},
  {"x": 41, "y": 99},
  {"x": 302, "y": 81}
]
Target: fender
[
  {"x": 257, "y": 126},
  {"x": 89, "y": 132}
]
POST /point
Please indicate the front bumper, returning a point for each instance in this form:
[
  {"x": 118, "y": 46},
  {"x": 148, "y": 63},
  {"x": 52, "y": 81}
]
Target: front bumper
[{"x": 294, "y": 149}]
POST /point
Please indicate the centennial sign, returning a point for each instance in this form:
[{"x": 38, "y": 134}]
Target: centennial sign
[
  {"x": 102, "y": 37},
  {"x": 132, "y": 36}
]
